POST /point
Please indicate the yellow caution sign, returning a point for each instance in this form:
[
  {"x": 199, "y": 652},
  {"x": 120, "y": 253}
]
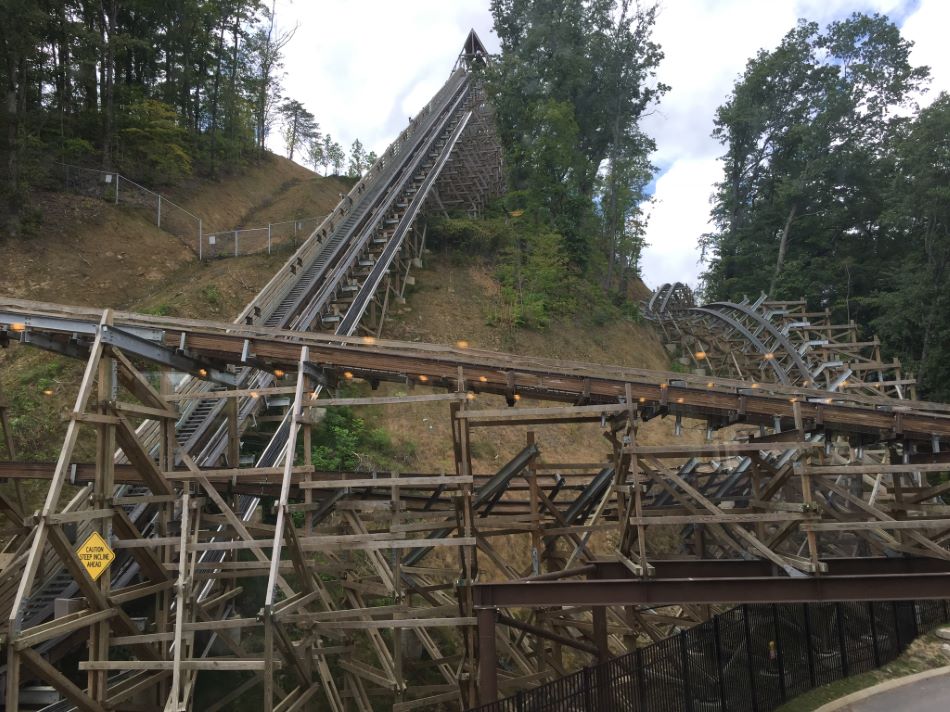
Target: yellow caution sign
[{"x": 95, "y": 555}]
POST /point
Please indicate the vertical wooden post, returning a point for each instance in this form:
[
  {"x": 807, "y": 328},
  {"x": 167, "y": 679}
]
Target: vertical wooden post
[
  {"x": 536, "y": 547},
  {"x": 107, "y": 394},
  {"x": 634, "y": 469},
  {"x": 8, "y": 442},
  {"x": 600, "y": 633}
]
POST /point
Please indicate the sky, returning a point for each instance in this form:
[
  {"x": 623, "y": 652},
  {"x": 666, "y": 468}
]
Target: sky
[{"x": 363, "y": 68}]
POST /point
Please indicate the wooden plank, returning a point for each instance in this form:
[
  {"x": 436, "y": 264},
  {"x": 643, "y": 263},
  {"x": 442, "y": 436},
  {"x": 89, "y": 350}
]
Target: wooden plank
[
  {"x": 858, "y": 469},
  {"x": 395, "y": 623},
  {"x": 854, "y": 526},
  {"x": 235, "y": 393},
  {"x": 145, "y": 411},
  {"x": 516, "y": 413},
  {"x": 38, "y": 664},
  {"x": 224, "y": 664},
  {"x": 724, "y": 518},
  {"x": 238, "y": 472},
  {"x": 344, "y": 543},
  {"x": 385, "y": 400},
  {"x": 717, "y": 448},
  {"x": 435, "y": 481},
  {"x": 60, "y": 627}
]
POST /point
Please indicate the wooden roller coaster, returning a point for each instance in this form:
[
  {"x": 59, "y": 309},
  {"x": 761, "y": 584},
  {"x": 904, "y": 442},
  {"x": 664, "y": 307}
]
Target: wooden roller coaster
[{"x": 365, "y": 588}]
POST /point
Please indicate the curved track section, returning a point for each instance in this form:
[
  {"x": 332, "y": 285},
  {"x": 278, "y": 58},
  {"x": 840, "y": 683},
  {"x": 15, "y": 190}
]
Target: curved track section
[{"x": 773, "y": 341}]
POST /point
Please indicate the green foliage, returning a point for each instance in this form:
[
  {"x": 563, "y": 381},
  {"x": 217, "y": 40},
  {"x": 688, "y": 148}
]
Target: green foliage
[
  {"x": 163, "y": 309},
  {"x": 155, "y": 89},
  {"x": 531, "y": 261},
  {"x": 358, "y": 159},
  {"x": 76, "y": 150},
  {"x": 572, "y": 83},
  {"x": 212, "y": 294},
  {"x": 806, "y": 130},
  {"x": 913, "y": 303},
  {"x": 301, "y": 129},
  {"x": 343, "y": 441},
  {"x": 152, "y": 146},
  {"x": 834, "y": 190}
]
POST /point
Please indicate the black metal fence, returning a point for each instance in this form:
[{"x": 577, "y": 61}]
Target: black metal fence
[{"x": 749, "y": 659}]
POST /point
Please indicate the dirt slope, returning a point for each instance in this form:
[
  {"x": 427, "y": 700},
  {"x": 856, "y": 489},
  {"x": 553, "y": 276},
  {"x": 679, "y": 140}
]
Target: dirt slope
[
  {"x": 449, "y": 303},
  {"x": 274, "y": 190}
]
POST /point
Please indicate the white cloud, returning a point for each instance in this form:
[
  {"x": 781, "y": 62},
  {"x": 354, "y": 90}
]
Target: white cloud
[
  {"x": 364, "y": 67},
  {"x": 927, "y": 29},
  {"x": 679, "y": 215}
]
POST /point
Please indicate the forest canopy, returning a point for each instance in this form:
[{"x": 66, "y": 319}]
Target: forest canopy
[
  {"x": 835, "y": 188},
  {"x": 156, "y": 90}
]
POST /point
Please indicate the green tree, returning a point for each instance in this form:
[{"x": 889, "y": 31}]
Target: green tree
[
  {"x": 300, "y": 126},
  {"x": 336, "y": 156},
  {"x": 358, "y": 162},
  {"x": 807, "y": 130},
  {"x": 152, "y": 146},
  {"x": 572, "y": 83},
  {"x": 914, "y": 303},
  {"x": 316, "y": 154}
]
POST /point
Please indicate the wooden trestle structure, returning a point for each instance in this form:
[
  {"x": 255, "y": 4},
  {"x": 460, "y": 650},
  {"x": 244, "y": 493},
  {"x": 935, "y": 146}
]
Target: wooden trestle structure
[
  {"x": 376, "y": 582},
  {"x": 370, "y": 586}
]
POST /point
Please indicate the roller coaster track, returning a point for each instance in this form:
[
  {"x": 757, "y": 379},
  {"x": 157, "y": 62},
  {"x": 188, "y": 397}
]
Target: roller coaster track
[
  {"x": 778, "y": 341},
  {"x": 781, "y": 342},
  {"x": 371, "y": 578}
]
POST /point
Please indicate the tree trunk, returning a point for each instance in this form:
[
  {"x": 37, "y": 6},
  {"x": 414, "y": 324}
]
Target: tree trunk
[
  {"x": 107, "y": 34},
  {"x": 782, "y": 249},
  {"x": 214, "y": 101}
]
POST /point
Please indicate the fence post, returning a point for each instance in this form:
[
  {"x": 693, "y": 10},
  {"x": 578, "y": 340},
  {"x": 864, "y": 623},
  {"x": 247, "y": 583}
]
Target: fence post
[
  {"x": 809, "y": 640},
  {"x": 159, "y": 223},
  {"x": 268, "y": 237},
  {"x": 117, "y": 179},
  {"x": 897, "y": 626},
  {"x": 722, "y": 682},
  {"x": 877, "y": 654},
  {"x": 235, "y": 243},
  {"x": 778, "y": 653},
  {"x": 687, "y": 692},
  {"x": 588, "y": 685},
  {"x": 748, "y": 651},
  {"x": 841, "y": 642},
  {"x": 641, "y": 682},
  {"x": 200, "y": 240}
]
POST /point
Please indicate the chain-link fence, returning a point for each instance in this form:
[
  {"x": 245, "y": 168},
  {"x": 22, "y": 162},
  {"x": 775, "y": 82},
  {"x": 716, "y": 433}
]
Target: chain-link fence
[
  {"x": 267, "y": 238},
  {"x": 116, "y": 188}
]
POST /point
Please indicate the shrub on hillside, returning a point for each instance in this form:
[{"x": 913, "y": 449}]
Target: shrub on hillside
[{"x": 152, "y": 146}]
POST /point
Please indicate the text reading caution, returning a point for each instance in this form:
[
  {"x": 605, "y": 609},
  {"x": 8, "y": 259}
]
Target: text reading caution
[{"x": 95, "y": 555}]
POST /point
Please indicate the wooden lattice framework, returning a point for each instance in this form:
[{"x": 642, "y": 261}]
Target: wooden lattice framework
[{"x": 374, "y": 583}]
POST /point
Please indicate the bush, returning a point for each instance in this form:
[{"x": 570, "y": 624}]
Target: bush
[
  {"x": 343, "y": 441},
  {"x": 152, "y": 146}
]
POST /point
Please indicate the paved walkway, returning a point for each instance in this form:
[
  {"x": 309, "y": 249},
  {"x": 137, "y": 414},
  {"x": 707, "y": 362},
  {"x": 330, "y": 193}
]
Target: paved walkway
[
  {"x": 930, "y": 695},
  {"x": 924, "y": 692}
]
